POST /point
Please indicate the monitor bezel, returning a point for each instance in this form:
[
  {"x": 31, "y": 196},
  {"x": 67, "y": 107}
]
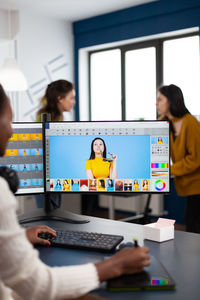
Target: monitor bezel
[{"x": 109, "y": 193}]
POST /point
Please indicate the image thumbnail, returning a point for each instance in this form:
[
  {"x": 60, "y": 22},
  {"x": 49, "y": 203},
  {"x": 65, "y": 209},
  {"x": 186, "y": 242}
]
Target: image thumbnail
[
  {"x": 119, "y": 185},
  {"x": 11, "y": 152},
  {"x": 110, "y": 185},
  {"x": 37, "y": 182},
  {"x": 84, "y": 185},
  {"x": 13, "y": 167},
  {"x": 51, "y": 185},
  {"x": 128, "y": 185},
  {"x": 37, "y": 151},
  {"x": 24, "y": 152},
  {"x": 36, "y": 167},
  {"x": 92, "y": 185},
  {"x": 145, "y": 184},
  {"x": 24, "y": 137},
  {"x": 36, "y": 136},
  {"x": 57, "y": 185},
  {"x": 66, "y": 185},
  {"x": 75, "y": 185},
  {"x": 25, "y": 182},
  {"x": 136, "y": 185}
]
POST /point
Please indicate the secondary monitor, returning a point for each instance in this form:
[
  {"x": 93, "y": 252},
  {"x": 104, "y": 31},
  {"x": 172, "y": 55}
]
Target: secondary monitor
[
  {"x": 108, "y": 157},
  {"x": 24, "y": 154}
]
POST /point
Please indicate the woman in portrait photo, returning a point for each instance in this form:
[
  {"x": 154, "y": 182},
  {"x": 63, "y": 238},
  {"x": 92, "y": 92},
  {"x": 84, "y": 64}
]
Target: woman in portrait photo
[
  {"x": 98, "y": 165},
  {"x": 58, "y": 186},
  {"x": 136, "y": 186},
  {"x": 145, "y": 185}
]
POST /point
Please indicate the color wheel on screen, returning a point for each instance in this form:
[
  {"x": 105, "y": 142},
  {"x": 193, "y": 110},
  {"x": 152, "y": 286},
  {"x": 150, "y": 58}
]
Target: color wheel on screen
[{"x": 160, "y": 185}]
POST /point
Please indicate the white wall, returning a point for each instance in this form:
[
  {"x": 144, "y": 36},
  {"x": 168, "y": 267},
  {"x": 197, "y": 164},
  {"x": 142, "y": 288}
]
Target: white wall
[{"x": 44, "y": 53}]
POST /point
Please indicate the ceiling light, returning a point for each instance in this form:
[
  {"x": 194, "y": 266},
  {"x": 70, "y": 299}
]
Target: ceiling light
[{"x": 11, "y": 77}]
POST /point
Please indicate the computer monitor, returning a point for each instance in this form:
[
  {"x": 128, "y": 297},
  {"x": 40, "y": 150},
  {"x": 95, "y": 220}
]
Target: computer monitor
[
  {"x": 107, "y": 157},
  {"x": 24, "y": 154}
]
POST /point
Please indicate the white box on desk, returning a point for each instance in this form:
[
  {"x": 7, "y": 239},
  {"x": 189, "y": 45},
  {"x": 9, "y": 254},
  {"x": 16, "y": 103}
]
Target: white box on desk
[{"x": 160, "y": 231}]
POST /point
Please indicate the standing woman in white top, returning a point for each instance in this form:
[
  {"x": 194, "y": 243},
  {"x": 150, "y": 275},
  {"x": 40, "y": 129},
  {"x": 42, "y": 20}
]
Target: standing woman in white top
[{"x": 22, "y": 273}]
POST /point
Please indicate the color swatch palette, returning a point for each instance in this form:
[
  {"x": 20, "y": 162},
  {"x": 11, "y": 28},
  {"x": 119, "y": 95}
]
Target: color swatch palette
[
  {"x": 159, "y": 282},
  {"x": 159, "y": 165}
]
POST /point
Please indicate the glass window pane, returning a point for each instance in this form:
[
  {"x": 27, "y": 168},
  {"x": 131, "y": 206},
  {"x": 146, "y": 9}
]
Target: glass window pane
[
  {"x": 181, "y": 67},
  {"x": 140, "y": 83},
  {"x": 106, "y": 85}
]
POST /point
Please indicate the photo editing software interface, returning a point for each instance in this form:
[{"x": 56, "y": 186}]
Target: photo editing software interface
[
  {"x": 107, "y": 156},
  {"x": 24, "y": 154}
]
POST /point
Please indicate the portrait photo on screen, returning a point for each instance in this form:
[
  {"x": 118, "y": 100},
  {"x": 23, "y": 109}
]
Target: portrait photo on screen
[{"x": 132, "y": 155}]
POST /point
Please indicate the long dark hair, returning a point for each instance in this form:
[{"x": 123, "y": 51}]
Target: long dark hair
[
  {"x": 102, "y": 181},
  {"x": 92, "y": 155},
  {"x": 111, "y": 185},
  {"x": 55, "y": 89},
  {"x": 176, "y": 102},
  {"x": 3, "y": 99}
]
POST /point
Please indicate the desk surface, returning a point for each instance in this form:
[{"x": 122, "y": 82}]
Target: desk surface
[{"x": 180, "y": 256}]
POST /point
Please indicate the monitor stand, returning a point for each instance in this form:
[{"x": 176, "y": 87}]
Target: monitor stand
[{"x": 49, "y": 212}]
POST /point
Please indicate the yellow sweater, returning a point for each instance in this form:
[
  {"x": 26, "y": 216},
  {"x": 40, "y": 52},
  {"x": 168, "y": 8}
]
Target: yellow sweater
[
  {"x": 99, "y": 168},
  {"x": 185, "y": 154}
]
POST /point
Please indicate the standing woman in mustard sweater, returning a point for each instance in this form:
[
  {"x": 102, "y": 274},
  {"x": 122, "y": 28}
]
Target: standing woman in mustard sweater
[{"x": 185, "y": 150}]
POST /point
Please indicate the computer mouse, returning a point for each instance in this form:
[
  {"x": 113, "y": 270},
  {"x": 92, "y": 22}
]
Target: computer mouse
[{"x": 128, "y": 244}]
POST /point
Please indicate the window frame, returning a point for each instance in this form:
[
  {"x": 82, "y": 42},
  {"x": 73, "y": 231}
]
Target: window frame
[{"x": 157, "y": 43}]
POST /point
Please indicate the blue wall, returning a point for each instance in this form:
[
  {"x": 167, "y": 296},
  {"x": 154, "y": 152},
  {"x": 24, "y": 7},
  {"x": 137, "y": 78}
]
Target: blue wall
[
  {"x": 152, "y": 18},
  {"x": 139, "y": 21}
]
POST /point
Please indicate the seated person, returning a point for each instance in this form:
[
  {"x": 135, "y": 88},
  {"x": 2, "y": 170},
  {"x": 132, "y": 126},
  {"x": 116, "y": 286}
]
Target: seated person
[{"x": 23, "y": 274}]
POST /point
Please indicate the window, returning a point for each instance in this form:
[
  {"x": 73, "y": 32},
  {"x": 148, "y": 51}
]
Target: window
[
  {"x": 140, "y": 83},
  {"x": 105, "y": 68},
  {"x": 124, "y": 80},
  {"x": 181, "y": 67}
]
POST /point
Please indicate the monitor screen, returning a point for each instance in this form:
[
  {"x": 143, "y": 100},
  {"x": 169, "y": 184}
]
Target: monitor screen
[
  {"x": 111, "y": 157},
  {"x": 24, "y": 154}
]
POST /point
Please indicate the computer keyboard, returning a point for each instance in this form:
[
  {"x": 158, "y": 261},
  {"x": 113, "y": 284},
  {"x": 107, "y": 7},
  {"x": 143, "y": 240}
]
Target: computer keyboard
[{"x": 83, "y": 240}]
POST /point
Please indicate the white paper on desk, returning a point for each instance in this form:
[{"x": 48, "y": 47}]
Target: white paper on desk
[{"x": 164, "y": 223}]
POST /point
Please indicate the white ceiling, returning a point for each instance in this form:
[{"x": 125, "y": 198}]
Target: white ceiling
[{"x": 70, "y": 10}]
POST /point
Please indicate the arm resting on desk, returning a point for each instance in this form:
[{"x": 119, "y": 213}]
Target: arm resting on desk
[{"x": 23, "y": 272}]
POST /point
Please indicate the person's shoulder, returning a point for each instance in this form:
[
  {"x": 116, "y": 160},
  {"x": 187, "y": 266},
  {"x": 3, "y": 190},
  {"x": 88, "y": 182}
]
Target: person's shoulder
[
  {"x": 3, "y": 184},
  {"x": 38, "y": 118},
  {"x": 192, "y": 123},
  {"x": 89, "y": 160},
  {"x": 5, "y": 193},
  {"x": 188, "y": 118}
]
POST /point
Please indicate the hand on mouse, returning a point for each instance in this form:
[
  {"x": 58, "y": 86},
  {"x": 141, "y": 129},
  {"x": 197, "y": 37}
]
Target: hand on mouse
[{"x": 32, "y": 234}]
